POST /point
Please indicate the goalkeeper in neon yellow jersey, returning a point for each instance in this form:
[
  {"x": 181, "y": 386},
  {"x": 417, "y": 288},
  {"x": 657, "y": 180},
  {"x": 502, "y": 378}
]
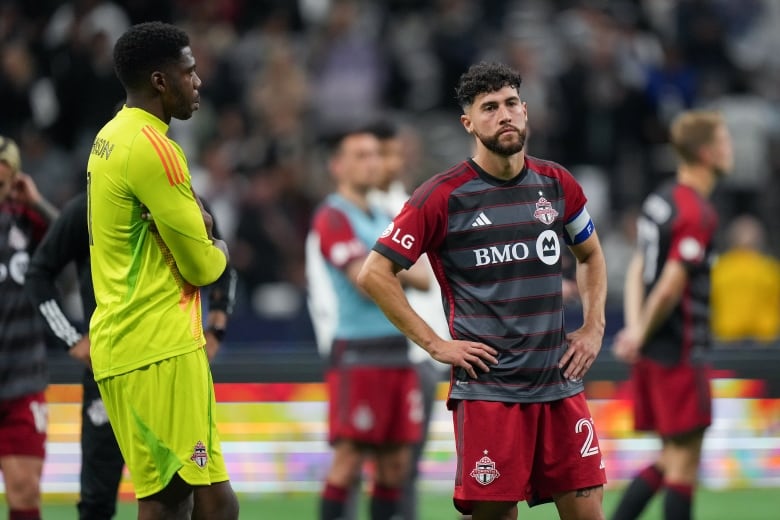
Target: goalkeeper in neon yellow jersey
[{"x": 146, "y": 333}]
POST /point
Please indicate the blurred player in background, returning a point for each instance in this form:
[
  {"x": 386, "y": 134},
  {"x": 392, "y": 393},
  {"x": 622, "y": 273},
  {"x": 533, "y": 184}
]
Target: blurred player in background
[
  {"x": 391, "y": 194},
  {"x": 667, "y": 333},
  {"x": 492, "y": 227},
  {"x": 375, "y": 406},
  {"x": 68, "y": 241},
  {"x": 146, "y": 335},
  {"x": 24, "y": 217}
]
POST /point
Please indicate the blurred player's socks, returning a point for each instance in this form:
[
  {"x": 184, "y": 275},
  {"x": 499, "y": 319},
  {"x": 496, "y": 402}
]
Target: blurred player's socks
[
  {"x": 334, "y": 499},
  {"x": 677, "y": 503},
  {"x": 27, "y": 514},
  {"x": 385, "y": 503},
  {"x": 639, "y": 493}
]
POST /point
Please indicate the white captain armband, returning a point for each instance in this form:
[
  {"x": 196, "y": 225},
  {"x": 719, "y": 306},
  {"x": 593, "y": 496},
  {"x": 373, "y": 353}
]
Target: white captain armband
[{"x": 579, "y": 228}]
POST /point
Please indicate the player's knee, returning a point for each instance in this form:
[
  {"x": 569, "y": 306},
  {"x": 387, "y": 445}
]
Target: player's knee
[{"x": 23, "y": 491}]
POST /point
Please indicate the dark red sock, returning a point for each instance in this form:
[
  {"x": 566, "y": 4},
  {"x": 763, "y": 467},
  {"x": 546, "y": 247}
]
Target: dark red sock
[
  {"x": 332, "y": 502},
  {"x": 27, "y": 514}
]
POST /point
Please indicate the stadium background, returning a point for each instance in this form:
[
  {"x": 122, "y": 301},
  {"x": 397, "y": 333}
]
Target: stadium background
[{"x": 602, "y": 79}]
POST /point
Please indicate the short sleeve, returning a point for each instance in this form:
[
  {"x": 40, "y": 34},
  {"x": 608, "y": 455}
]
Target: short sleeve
[{"x": 338, "y": 242}]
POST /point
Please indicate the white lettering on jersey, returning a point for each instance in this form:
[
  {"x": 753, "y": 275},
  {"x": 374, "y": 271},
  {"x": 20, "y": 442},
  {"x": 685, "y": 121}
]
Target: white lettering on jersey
[
  {"x": 501, "y": 255},
  {"x": 406, "y": 240}
]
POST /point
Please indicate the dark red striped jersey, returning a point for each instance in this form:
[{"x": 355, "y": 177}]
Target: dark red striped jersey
[
  {"x": 495, "y": 248},
  {"x": 676, "y": 223},
  {"x": 22, "y": 350}
]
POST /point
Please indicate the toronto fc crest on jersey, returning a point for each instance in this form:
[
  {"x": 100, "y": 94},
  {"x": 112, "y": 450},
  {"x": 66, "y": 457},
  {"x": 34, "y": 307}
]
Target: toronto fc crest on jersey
[
  {"x": 199, "y": 455},
  {"x": 485, "y": 470},
  {"x": 545, "y": 213}
]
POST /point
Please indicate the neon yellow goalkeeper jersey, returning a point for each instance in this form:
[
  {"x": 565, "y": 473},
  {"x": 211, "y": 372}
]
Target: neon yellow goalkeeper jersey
[{"x": 146, "y": 281}]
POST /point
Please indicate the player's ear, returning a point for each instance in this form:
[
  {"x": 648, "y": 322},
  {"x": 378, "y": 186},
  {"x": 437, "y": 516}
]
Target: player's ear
[
  {"x": 158, "y": 81},
  {"x": 465, "y": 120}
]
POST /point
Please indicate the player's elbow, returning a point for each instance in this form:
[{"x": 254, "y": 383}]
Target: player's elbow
[{"x": 364, "y": 278}]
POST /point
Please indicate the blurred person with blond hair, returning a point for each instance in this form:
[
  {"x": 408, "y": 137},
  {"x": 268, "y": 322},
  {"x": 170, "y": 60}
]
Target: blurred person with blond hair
[
  {"x": 745, "y": 295},
  {"x": 667, "y": 335},
  {"x": 24, "y": 217}
]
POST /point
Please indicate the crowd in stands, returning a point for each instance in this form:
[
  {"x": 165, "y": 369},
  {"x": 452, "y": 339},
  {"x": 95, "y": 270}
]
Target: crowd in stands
[{"x": 602, "y": 79}]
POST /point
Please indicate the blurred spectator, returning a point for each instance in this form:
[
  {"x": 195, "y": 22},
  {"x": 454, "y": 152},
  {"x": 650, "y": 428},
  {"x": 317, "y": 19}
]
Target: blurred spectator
[
  {"x": 746, "y": 286},
  {"x": 754, "y": 124},
  {"x": 58, "y": 179},
  {"x": 348, "y": 68}
]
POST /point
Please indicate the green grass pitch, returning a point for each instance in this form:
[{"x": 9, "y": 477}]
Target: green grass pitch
[{"x": 742, "y": 504}]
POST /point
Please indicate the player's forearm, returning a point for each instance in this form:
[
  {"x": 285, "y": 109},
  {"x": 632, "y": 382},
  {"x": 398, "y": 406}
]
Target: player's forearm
[
  {"x": 203, "y": 266},
  {"x": 660, "y": 304},
  {"x": 40, "y": 285},
  {"x": 592, "y": 286},
  {"x": 633, "y": 291},
  {"x": 200, "y": 260},
  {"x": 46, "y": 209},
  {"x": 663, "y": 298}
]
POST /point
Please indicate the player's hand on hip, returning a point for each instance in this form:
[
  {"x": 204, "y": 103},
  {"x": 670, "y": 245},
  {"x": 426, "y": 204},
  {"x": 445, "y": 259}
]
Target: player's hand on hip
[
  {"x": 584, "y": 347},
  {"x": 80, "y": 351},
  {"x": 468, "y": 355},
  {"x": 627, "y": 346}
]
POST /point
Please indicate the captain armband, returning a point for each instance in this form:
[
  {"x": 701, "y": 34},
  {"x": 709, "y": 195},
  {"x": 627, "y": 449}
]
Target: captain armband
[{"x": 579, "y": 228}]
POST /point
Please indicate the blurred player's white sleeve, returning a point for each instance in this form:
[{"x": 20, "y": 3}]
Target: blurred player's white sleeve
[
  {"x": 321, "y": 298},
  {"x": 428, "y": 303}
]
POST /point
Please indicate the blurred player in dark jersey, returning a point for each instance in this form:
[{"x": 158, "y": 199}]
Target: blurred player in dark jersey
[
  {"x": 68, "y": 241},
  {"x": 493, "y": 227},
  {"x": 24, "y": 217},
  {"x": 667, "y": 330}
]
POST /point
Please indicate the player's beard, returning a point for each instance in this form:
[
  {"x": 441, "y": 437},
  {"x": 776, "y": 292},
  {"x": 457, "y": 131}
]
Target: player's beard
[{"x": 494, "y": 144}]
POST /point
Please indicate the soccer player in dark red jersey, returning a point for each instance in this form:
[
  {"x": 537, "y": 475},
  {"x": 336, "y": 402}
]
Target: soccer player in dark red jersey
[
  {"x": 24, "y": 217},
  {"x": 493, "y": 227},
  {"x": 667, "y": 315}
]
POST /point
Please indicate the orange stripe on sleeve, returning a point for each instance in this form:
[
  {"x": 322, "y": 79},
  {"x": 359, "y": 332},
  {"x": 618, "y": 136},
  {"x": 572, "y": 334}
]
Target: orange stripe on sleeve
[
  {"x": 148, "y": 132},
  {"x": 173, "y": 157}
]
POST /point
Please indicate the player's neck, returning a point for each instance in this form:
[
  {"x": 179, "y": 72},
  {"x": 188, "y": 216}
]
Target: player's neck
[
  {"x": 356, "y": 197},
  {"x": 500, "y": 166},
  {"x": 151, "y": 105},
  {"x": 701, "y": 178}
]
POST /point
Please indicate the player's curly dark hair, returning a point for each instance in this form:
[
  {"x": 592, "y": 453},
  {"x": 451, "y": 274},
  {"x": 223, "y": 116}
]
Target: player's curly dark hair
[
  {"x": 485, "y": 77},
  {"x": 144, "y": 48}
]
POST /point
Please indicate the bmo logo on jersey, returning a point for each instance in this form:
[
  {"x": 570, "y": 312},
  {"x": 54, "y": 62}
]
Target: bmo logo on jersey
[
  {"x": 399, "y": 237},
  {"x": 548, "y": 250}
]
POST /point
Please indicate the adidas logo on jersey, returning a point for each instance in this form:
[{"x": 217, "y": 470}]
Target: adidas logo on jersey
[{"x": 481, "y": 220}]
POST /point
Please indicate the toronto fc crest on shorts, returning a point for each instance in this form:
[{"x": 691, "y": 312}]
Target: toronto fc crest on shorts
[
  {"x": 545, "y": 213},
  {"x": 485, "y": 470},
  {"x": 199, "y": 455}
]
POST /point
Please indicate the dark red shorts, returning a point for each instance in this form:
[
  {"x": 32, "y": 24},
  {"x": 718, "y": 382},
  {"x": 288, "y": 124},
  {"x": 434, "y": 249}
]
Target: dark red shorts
[
  {"x": 671, "y": 400},
  {"x": 23, "y": 426},
  {"x": 508, "y": 452},
  {"x": 374, "y": 405}
]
